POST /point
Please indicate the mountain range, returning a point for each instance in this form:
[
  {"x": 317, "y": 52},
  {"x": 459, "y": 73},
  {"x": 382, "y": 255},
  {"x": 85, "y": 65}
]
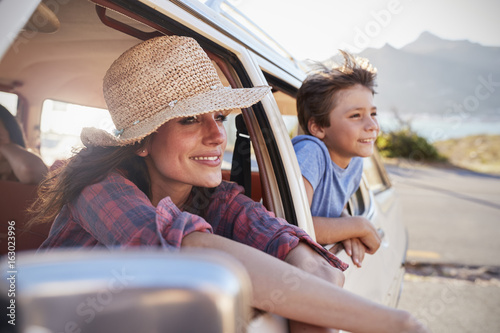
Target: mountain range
[{"x": 438, "y": 77}]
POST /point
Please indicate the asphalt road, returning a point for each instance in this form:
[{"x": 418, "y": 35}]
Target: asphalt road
[{"x": 453, "y": 222}]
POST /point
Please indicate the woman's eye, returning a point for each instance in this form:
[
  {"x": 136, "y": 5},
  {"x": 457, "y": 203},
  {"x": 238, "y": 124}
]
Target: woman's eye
[
  {"x": 188, "y": 120},
  {"x": 356, "y": 115},
  {"x": 221, "y": 117},
  {"x": 374, "y": 114}
]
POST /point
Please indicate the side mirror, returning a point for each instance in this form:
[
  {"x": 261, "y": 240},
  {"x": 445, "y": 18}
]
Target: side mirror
[{"x": 125, "y": 291}]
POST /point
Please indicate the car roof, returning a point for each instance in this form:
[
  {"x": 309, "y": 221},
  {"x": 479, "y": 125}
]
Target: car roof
[{"x": 69, "y": 64}]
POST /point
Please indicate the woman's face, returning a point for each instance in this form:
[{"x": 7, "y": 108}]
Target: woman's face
[{"x": 186, "y": 152}]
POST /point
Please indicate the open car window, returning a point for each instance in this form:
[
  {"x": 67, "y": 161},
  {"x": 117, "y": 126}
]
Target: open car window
[{"x": 9, "y": 101}]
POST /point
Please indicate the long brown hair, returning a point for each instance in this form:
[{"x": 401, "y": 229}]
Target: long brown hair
[{"x": 88, "y": 166}]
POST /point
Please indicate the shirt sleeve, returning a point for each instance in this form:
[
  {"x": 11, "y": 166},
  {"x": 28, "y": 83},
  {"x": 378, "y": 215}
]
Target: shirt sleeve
[
  {"x": 117, "y": 213},
  {"x": 311, "y": 160},
  {"x": 235, "y": 216}
]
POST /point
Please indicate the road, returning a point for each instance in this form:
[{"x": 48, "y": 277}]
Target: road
[{"x": 453, "y": 221}]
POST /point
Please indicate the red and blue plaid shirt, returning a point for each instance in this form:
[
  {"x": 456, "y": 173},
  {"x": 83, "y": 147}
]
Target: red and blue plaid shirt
[{"x": 114, "y": 212}]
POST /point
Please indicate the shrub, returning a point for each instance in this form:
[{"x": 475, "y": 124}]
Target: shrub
[{"x": 407, "y": 144}]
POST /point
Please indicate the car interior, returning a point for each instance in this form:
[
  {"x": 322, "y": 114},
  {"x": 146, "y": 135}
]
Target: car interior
[{"x": 57, "y": 63}]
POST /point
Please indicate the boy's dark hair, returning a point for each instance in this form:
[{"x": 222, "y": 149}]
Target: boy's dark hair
[{"x": 318, "y": 94}]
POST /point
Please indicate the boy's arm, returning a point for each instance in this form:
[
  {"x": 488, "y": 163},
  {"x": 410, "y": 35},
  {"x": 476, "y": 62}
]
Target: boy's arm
[{"x": 332, "y": 230}]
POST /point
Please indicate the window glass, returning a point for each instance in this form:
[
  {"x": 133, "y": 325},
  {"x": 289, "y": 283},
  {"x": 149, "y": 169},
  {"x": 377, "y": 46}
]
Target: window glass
[
  {"x": 288, "y": 110},
  {"x": 61, "y": 125},
  {"x": 9, "y": 101},
  {"x": 357, "y": 203},
  {"x": 286, "y": 103},
  {"x": 292, "y": 125},
  {"x": 230, "y": 127}
]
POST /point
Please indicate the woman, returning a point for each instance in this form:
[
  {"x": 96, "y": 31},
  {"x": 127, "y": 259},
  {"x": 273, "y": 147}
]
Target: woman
[
  {"x": 16, "y": 162},
  {"x": 157, "y": 182}
]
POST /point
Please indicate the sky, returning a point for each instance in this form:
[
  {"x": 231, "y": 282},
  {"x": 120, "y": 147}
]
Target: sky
[{"x": 316, "y": 29}]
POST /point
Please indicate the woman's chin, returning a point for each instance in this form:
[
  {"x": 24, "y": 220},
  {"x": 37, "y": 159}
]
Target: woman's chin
[{"x": 213, "y": 181}]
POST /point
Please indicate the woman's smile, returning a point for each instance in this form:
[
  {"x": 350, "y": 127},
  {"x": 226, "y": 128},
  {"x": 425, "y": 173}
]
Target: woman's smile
[{"x": 216, "y": 159}]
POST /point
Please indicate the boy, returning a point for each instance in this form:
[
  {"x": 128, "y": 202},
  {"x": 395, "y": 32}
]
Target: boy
[{"x": 336, "y": 111}]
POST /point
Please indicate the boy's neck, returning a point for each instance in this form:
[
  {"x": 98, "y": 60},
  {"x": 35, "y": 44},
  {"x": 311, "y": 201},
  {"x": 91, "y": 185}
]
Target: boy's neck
[{"x": 340, "y": 161}]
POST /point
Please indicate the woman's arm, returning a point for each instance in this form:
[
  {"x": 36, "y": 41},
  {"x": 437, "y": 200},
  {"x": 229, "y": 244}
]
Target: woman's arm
[
  {"x": 27, "y": 167},
  {"x": 237, "y": 217},
  {"x": 305, "y": 258},
  {"x": 292, "y": 293}
]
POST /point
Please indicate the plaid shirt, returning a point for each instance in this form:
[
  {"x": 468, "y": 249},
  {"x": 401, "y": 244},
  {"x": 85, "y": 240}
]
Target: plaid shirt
[{"x": 114, "y": 212}]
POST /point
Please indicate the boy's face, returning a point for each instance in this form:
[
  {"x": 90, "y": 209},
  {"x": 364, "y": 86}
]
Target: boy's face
[{"x": 353, "y": 126}]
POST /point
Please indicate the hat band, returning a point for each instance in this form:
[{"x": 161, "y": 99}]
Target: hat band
[{"x": 118, "y": 132}]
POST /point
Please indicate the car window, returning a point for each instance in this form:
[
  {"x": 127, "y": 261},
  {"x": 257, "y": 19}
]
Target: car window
[
  {"x": 288, "y": 110},
  {"x": 9, "y": 101},
  {"x": 230, "y": 126},
  {"x": 61, "y": 125},
  {"x": 358, "y": 202}
]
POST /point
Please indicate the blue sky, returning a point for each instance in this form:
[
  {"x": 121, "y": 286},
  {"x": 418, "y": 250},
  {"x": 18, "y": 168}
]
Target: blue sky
[{"x": 316, "y": 29}]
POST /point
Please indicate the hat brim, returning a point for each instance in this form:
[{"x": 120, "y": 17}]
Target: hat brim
[{"x": 221, "y": 99}]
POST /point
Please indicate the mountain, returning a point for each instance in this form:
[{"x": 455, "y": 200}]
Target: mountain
[
  {"x": 463, "y": 52},
  {"x": 437, "y": 76}
]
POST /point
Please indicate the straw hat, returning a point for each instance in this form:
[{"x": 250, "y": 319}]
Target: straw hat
[{"x": 158, "y": 80}]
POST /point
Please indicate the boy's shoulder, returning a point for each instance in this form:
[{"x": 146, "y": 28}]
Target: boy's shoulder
[
  {"x": 307, "y": 140},
  {"x": 308, "y": 146}
]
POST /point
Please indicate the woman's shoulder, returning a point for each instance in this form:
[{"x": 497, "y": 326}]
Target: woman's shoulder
[
  {"x": 114, "y": 184},
  {"x": 114, "y": 177}
]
